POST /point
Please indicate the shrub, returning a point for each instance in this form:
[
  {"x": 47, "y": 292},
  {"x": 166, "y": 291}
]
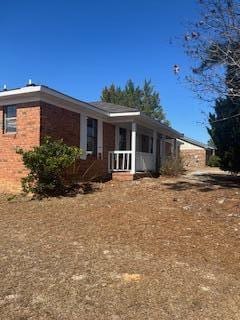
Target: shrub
[
  {"x": 172, "y": 167},
  {"x": 47, "y": 164},
  {"x": 214, "y": 161}
]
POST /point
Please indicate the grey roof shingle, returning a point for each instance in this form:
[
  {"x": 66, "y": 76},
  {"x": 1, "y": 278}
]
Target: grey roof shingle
[
  {"x": 111, "y": 107},
  {"x": 196, "y": 143}
]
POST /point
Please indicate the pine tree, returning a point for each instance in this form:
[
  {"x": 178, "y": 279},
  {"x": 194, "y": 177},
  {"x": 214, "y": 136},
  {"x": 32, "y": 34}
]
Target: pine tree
[
  {"x": 145, "y": 99},
  {"x": 225, "y": 133}
]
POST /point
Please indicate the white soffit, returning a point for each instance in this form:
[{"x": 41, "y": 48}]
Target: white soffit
[
  {"x": 47, "y": 95},
  {"x": 51, "y": 96}
]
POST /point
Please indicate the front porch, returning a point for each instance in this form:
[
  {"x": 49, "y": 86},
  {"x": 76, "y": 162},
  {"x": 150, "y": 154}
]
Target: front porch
[
  {"x": 121, "y": 161},
  {"x": 139, "y": 150}
]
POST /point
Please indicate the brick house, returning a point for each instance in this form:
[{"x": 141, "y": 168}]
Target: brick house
[
  {"x": 194, "y": 153},
  {"x": 115, "y": 139}
]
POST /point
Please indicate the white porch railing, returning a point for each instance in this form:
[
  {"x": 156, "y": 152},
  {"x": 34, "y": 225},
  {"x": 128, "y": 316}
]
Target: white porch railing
[
  {"x": 119, "y": 160},
  {"x": 145, "y": 161}
]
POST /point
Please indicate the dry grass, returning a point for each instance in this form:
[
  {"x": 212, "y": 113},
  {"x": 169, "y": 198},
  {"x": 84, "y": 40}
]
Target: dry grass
[{"x": 149, "y": 249}]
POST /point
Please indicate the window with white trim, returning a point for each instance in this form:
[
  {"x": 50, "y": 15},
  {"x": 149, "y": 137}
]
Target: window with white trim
[
  {"x": 10, "y": 119},
  {"x": 92, "y": 136}
]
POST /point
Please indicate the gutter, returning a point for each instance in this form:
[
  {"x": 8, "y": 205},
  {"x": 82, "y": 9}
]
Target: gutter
[{"x": 42, "y": 93}]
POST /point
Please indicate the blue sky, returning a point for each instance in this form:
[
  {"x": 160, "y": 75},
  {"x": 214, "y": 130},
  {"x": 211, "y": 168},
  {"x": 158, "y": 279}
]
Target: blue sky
[{"x": 78, "y": 47}]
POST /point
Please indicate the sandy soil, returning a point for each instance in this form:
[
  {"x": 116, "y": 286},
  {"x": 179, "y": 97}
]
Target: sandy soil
[{"x": 147, "y": 249}]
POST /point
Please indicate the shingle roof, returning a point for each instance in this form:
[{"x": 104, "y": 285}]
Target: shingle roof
[
  {"x": 103, "y": 108},
  {"x": 196, "y": 143},
  {"x": 111, "y": 107}
]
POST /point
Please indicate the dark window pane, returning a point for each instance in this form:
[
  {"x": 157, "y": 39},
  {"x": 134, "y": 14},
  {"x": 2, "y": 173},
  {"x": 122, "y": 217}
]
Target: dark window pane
[
  {"x": 89, "y": 131},
  {"x": 92, "y": 136},
  {"x": 11, "y": 111},
  {"x": 90, "y": 144},
  {"x": 122, "y": 139},
  {"x": 10, "y": 114},
  {"x": 151, "y": 145},
  {"x": 145, "y": 143},
  {"x": 11, "y": 125}
]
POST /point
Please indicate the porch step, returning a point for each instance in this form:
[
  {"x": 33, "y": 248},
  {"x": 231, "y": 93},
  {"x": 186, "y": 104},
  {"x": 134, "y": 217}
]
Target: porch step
[
  {"x": 128, "y": 176},
  {"x": 122, "y": 176}
]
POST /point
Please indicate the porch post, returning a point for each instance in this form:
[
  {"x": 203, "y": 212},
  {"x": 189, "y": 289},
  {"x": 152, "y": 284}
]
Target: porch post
[
  {"x": 172, "y": 147},
  {"x": 116, "y": 138},
  {"x": 155, "y": 148},
  {"x": 133, "y": 158},
  {"x": 83, "y": 135},
  {"x": 175, "y": 148},
  {"x": 100, "y": 139},
  {"x": 162, "y": 150}
]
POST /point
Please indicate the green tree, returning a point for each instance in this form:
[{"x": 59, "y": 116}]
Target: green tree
[
  {"x": 225, "y": 133},
  {"x": 212, "y": 42},
  {"x": 210, "y": 143},
  {"x": 145, "y": 98}
]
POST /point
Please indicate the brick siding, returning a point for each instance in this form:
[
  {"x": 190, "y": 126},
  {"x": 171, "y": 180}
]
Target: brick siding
[
  {"x": 27, "y": 136},
  {"x": 193, "y": 158},
  {"x": 63, "y": 124},
  {"x": 93, "y": 167},
  {"x": 122, "y": 176},
  {"x": 36, "y": 120},
  {"x": 60, "y": 123}
]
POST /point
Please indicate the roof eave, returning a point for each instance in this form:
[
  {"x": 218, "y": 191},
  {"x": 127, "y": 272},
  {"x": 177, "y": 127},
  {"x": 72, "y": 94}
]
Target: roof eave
[
  {"x": 196, "y": 143},
  {"x": 138, "y": 115},
  {"x": 124, "y": 114},
  {"x": 45, "y": 94},
  {"x": 163, "y": 126},
  {"x": 51, "y": 96}
]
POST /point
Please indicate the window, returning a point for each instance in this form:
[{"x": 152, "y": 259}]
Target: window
[
  {"x": 151, "y": 145},
  {"x": 145, "y": 143},
  {"x": 122, "y": 139},
  {"x": 10, "y": 117},
  {"x": 92, "y": 136}
]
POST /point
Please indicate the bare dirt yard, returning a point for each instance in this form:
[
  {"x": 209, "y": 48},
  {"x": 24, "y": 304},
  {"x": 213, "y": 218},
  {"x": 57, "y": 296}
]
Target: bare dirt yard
[{"x": 148, "y": 249}]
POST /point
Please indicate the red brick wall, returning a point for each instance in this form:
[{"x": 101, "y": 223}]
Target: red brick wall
[
  {"x": 194, "y": 158},
  {"x": 60, "y": 123},
  {"x": 33, "y": 123},
  {"x": 92, "y": 167},
  {"x": 27, "y": 136}
]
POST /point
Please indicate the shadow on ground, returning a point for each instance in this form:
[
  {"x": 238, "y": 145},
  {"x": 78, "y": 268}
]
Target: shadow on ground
[
  {"x": 82, "y": 188},
  {"x": 206, "y": 182}
]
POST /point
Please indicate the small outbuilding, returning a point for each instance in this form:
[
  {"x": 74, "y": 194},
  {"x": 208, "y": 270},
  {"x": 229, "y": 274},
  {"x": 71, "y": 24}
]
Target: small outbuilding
[{"x": 195, "y": 154}]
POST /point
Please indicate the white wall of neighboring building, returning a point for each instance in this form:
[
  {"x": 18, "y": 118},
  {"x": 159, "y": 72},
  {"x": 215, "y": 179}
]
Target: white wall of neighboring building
[{"x": 188, "y": 146}]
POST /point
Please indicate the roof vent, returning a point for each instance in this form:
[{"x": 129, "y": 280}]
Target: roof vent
[
  {"x": 30, "y": 84},
  {"x": 4, "y": 87}
]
